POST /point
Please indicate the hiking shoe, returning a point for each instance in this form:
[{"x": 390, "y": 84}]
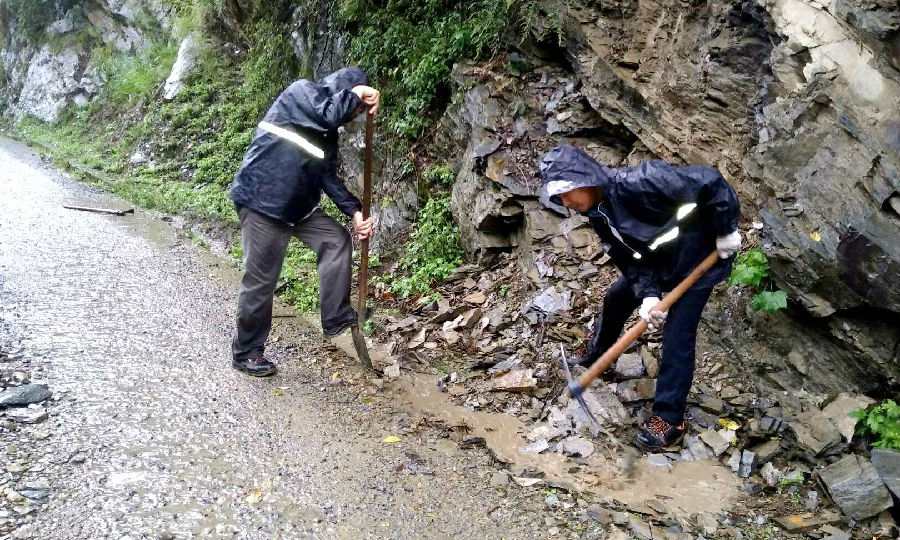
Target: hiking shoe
[
  {"x": 349, "y": 324},
  {"x": 255, "y": 367},
  {"x": 657, "y": 434}
]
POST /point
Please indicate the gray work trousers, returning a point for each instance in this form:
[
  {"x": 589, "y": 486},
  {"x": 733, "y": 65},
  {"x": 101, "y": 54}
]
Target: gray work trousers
[{"x": 265, "y": 242}]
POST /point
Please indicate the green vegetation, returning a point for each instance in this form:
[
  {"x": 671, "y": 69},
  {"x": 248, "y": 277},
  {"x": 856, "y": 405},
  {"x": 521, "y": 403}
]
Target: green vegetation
[
  {"x": 34, "y": 15},
  {"x": 432, "y": 252},
  {"x": 438, "y": 174},
  {"x": 426, "y": 37},
  {"x": 880, "y": 423},
  {"x": 135, "y": 77},
  {"x": 410, "y": 46},
  {"x": 752, "y": 269},
  {"x": 299, "y": 284}
]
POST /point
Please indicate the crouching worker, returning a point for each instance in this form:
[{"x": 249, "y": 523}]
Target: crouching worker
[
  {"x": 657, "y": 222},
  {"x": 292, "y": 159}
]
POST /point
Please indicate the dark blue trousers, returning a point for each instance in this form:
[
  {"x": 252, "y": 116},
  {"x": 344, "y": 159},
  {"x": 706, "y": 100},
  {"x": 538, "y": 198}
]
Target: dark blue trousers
[{"x": 676, "y": 371}]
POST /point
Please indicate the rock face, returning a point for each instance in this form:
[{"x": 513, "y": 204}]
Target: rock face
[
  {"x": 794, "y": 101},
  {"x": 42, "y": 78},
  {"x": 184, "y": 64}
]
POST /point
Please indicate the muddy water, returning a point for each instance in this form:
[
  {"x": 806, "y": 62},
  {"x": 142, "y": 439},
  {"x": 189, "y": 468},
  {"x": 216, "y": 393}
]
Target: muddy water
[
  {"x": 153, "y": 435},
  {"x": 691, "y": 487}
]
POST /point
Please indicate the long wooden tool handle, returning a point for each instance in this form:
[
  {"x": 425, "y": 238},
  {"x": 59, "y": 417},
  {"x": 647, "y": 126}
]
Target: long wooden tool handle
[
  {"x": 366, "y": 210},
  {"x": 635, "y": 331}
]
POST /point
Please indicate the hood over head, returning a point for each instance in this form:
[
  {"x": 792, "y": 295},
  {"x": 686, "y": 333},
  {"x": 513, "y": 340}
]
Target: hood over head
[
  {"x": 566, "y": 168},
  {"x": 345, "y": 79}
]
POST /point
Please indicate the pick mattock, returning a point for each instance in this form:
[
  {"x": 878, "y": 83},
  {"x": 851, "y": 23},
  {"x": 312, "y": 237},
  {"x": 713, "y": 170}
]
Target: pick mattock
[
  {"x": 359, "y": 340},
  {"x": 575, "y": 387}
]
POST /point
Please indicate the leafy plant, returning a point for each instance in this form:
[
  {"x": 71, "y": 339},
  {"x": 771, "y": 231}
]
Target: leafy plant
[
  {"x": 432, "y": 253},
  {"x": 438, "y": 174},
  {"x": 881, "y": 423},
  {"x": 299, "y": 278},
  {"x": 770, "y": 301},
  {"x": 752, "y": 269}
]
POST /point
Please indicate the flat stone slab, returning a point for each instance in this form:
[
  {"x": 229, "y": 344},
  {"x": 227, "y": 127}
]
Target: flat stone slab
[
  {"x": 24, "y": 395},
  {"x": 855, "y": 487},
  {"x": 798, "y": 523},
  {"x": 27, "y": 415},
  {"x": 887, "y": 463},
  {"x": 578, "y": 447},
  {"x": 815, "y": 432},
  {"x": 714, "y": 441},
  {"x": 838, "y": 411},
  {"x": 636, "y": 390}
]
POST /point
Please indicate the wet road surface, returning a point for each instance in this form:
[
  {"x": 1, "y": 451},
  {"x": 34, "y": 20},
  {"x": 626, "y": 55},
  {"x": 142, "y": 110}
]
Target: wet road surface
[{"x": 152, "y": 434}]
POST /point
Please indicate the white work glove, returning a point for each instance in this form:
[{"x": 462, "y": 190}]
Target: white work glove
[
  {"x": 728, "y": 245},
  {"x": 655, "y": 319}
]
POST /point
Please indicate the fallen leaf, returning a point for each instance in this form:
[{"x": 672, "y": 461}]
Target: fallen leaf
[
  {"x": 367, "y": 400},
  {"x": 391, "y": 439},
  {"x": 335, "y": 375},
  {"x": 729, "y": 424},
  {"x": 815, "y": 236},
  {"x": 278, "y": 392}
]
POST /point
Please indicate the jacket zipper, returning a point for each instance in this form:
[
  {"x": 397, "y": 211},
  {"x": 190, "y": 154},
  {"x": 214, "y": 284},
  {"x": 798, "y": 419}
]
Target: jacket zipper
[{"x": 618, "y": 236}]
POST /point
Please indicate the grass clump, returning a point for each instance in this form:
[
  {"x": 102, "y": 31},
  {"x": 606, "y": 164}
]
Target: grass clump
[
  {"x": 133, "y": 77},
  {"x": 432, "y": 252},
  {"x": 299, "y": 283}
]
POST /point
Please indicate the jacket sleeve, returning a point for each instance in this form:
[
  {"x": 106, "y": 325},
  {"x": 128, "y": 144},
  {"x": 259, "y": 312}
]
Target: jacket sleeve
[
  {"x": 338, "y": 192},
  {"x": 310, "y": 105}
]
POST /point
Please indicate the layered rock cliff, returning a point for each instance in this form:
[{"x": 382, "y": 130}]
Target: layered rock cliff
[{"x": 797, "y": 102}]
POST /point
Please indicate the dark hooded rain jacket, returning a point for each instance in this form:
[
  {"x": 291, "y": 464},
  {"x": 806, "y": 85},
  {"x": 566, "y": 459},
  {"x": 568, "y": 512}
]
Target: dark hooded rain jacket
[
  {"x": 656, "y": 221},
  {"x": 280, "y": 179}
]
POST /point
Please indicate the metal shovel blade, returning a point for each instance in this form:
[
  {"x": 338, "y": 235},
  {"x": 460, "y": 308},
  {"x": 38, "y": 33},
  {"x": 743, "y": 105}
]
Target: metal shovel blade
[{"x": 577, "y": 391}]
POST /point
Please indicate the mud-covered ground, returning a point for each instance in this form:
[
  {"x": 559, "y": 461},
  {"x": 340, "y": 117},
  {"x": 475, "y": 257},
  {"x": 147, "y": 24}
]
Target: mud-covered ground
[{"x": 151, "y": 433}]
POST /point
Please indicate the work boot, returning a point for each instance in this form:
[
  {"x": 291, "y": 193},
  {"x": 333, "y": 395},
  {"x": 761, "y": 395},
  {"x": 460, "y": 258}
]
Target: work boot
[
  {"x": 657, "y": 434},
  {"x": 255, "y": 367}
]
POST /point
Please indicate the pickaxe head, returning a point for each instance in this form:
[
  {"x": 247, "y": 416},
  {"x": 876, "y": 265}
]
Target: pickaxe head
[{"x": 577, "y": 391}]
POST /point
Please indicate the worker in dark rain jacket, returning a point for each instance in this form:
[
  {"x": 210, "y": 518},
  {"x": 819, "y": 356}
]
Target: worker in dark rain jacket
[
  {"x": 657, "y": 222},
  {"x": 292, "y": 159}
]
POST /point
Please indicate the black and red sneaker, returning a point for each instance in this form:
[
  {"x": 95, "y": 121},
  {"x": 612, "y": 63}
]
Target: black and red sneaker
[{"x": 657, "y": 434}]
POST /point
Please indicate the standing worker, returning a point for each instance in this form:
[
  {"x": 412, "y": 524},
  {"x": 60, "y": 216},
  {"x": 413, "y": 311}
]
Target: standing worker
[
  {"x": 657, "y": 222},
  {"x": 292, "y": 159}
]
